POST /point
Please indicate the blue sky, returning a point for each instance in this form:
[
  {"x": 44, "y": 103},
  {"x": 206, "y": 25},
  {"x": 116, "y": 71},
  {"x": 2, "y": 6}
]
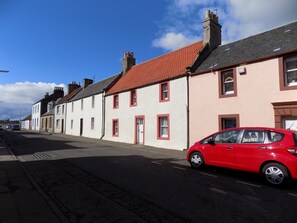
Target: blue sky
[{"x": 54, "y": 42}]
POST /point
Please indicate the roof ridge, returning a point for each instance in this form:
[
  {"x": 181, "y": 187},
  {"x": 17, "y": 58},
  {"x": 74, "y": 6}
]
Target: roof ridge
[{"x": 174, "y": 51}]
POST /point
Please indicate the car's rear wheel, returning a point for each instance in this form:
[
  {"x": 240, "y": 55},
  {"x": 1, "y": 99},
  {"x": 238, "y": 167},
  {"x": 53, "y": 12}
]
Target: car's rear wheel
[
  {"x": 275, "y": 173},
  {"x": 196, "y": 160}
]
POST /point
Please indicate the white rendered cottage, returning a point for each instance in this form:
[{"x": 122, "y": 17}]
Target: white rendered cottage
[
  {"x": 85, "y": 111},
  {"x": 61, "y": 106},
  {"x": 149, "y": 103}
]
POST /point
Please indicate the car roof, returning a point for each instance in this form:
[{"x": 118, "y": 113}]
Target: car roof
[
  {"x": 284, "y": 131},
  {"x": 260, "y": 128}
]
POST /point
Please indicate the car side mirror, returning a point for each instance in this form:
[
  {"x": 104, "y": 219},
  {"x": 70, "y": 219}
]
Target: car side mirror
[{"x": 211, "y": 142}]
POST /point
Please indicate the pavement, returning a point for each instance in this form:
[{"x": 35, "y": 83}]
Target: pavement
[{"x": 20, "y": 200}]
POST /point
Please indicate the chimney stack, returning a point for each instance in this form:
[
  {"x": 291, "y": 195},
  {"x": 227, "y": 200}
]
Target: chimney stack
[
  {"x": 46, "y": 95},
  {"x": 212, "y": 30},
  {"x": 87, "y": 82},
  {"x": 72, "y": 86},
  {"x": 127, "y": 62},
  {"x": 58, "y": 93}
]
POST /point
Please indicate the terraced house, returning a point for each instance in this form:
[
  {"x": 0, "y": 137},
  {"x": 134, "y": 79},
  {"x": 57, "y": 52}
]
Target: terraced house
[
  {"x": 61, "y": 108},
  {"x": 149, "y": 103},
  {"x": 250, "y": 82},
  {"x": 85, "y": 111},
  {"x": 41, "y": 107}
]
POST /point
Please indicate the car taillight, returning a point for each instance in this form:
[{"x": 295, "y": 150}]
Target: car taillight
[{"x": 293, "y": 151}]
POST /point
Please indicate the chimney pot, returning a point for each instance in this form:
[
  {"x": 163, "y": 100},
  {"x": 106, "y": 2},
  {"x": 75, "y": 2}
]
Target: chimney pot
[
  {"x": 72, "y": 86},
  {"x": 87, "y": 82},
  {"x": 212, "y": 30},
  {"x": 127, "y": 62}
]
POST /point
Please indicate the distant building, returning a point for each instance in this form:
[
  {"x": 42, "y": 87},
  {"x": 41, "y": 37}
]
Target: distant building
[
  {"x": 26, "y": 122},
  {"x": 41, "y": 107},
  {"x": 61, "y": 108}
]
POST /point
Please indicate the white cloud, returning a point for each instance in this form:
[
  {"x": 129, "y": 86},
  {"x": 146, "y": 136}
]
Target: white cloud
[
  {"x": 16, "y": 99},
  {"x": 171, "y": 41},
  {"x": 256, "y": 16},
  {"x": 239, "y": 19}
]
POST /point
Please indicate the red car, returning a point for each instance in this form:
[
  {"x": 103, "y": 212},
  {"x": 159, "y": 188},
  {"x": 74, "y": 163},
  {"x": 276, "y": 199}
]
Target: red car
[{"x": 269, "y": 151}]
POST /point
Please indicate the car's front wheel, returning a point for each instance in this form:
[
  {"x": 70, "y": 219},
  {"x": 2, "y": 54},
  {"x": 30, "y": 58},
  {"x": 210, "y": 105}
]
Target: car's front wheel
[
  {"x": 275, "y": 173},
  {"x": 196, "y": 160}
]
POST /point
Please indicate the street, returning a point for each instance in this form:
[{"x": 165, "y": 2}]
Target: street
[{"x": 88, "y": 180}]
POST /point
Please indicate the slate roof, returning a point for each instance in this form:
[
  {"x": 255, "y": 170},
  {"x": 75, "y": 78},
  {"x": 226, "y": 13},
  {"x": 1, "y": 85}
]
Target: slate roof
[
  {"x": 51, "y": 112},
  {"x": 29, "y": 117},
  {"x": 95, "y": 88},
  {"x": 169, "y": 66},
  {"x": 67, "y": 97},
  {"x": 266, "y": 45}
]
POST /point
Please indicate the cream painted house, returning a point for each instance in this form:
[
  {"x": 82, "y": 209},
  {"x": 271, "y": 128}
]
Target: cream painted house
[{"x": 251, "y": 82}]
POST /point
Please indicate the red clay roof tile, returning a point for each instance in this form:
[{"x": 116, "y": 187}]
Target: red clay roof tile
[{"x": 165, "y": 67}]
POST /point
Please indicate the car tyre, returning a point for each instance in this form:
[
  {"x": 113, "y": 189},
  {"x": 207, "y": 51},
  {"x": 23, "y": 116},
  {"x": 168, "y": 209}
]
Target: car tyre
[
  {"x": 196, "y": 160},
  {"x": 275, "y": 174}
]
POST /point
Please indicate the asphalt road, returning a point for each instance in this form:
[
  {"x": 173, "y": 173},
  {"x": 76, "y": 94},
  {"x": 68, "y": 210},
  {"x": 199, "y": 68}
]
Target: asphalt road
[{"x": 88, "y": 180}]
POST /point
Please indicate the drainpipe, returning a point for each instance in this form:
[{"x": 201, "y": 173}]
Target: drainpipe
[
  {"x": 188, "y": 108},
  {"x": 103, "y": 116}
]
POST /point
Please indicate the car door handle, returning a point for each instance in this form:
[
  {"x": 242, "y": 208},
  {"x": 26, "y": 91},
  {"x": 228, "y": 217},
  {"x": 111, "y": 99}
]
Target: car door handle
[
  {"x": 262, "y": 147},
  {"x": 229, "y": 147}
]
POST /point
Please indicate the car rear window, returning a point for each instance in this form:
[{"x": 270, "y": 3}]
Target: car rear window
[{"x": 275, "y": 136}]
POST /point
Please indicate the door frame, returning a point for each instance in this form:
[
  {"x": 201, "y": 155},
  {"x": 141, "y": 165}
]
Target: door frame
[
  {"x": 81, "y": 126},
  {"x": 283, "y": 110},
  {"x": 135, "y": 129}
]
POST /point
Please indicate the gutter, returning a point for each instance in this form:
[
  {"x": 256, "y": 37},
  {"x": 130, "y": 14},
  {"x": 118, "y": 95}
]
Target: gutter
[{"x": 103, "y": 116}]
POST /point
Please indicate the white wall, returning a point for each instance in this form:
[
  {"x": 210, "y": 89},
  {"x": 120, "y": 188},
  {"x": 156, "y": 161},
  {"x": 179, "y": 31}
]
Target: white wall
[
  {"x": 256, "y": 90},
  {"x": 36, "y": 109},
  {"x": 148, "y": 105},
  {"x": 86, "y": 114},
  {"x": 26, "y": 124},
  {"x": 61, "y": 116}
]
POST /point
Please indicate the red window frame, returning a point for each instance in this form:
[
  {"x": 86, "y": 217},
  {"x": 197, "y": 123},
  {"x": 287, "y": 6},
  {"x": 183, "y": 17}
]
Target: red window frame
[
  {"x": 115, "y": 127},
  {"x": 159, "y": 127},
  {"x": 133, "y": 94},
  {"x": 161, "y": 90},
  {"x": 116, "y": 101}
]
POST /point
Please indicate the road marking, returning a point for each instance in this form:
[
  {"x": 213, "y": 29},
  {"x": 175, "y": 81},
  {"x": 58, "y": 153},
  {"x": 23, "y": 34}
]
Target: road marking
[
  {"x": 208, "y": 174},
  {"x": 179, "y": 168},
  {"x": 157, "y": 162},
  {"x": 295, "y": 195},
  {"x": 217, "y": 190},
  {"x": 249, "y": 184}
]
